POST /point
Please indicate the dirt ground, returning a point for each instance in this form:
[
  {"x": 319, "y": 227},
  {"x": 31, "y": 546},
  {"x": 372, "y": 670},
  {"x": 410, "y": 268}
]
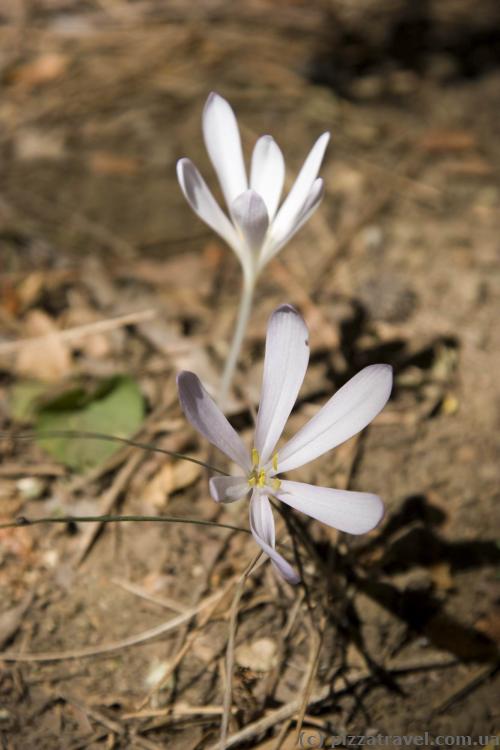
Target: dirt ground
[{"x": 115, "y": 636}]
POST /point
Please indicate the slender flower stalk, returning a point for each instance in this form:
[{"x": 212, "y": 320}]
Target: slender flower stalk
[
  {"x": 256, "y": 226},
  {"x": 349, "y": 410},
  {"x": 244, "y": 311}
]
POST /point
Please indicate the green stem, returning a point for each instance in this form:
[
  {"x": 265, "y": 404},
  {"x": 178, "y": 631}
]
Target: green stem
[
  {"x": 23, "y": 521},
  {"x": 112, "y": 438},
  {"x": 238, "y": 336}
]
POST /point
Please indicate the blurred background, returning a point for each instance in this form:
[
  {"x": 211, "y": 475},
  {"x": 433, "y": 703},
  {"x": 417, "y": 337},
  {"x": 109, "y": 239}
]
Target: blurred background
[{"x": 395, "y": 633}]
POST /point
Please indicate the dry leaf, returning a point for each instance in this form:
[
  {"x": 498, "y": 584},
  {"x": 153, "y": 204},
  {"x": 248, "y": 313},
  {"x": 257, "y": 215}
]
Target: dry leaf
[
  {"x": 47, "y": 359},
  {"x": 33, "y": 143},
  {"x": 259, "y": 656},
  {"x": 169, "y": 479},
  {"x": 448, "y": 140},
  {"x": 113, "y": 164},
  {"x": 441, "y": 576},
  {"x": 11, "y": 619},
  {"x": 490, "y": 624},
  {"x": 42, "y": 69}
]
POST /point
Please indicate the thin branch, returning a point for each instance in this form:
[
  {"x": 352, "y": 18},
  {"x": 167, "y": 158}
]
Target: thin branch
[
  {"x": 86, "y": 435},
  {"x": 107, "y": 648},
  {"x": 233, "y": 622},
  {"x": 67, "y": 334},
  {"x": 23, "y": 521}
]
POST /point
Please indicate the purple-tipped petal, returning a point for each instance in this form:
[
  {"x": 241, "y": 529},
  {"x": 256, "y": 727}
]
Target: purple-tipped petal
[
  {"x": 228, "y": 489},
  {"x": 204, "y": 204},
  {"x": 354, "y": 512},
  {"x": 353, "y": 407},
  {"x": 223, "y": 143},
  {"x": 263, "y": 530},
  {"x": 207, "y": 418},
  {"x": 274, "y": 244},
  {"x": 294, "y": 203},
  {"x": 285, "y": 364},
  {"x": 249, "y": 214}
]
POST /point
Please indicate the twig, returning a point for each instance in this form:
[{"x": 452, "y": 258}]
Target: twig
[
  {"x": 94, "y": 713},
  {"x": 311, "y": 671},
  {"x": 68, "y": 334},
  {"x": 133, "y": 640},
  {"x": 176, "y": 712},
  {"x": 178, "y": 657},
  {"x": 162, "y": 601},
  {"x": 289, "y": 709},
  {"x": 274, "y": 717},
  {"x": 230, "y": 650},
  {"x": 86, "y": 435},
  {"x": 24, "y": 521},
  {"x": 32, "y": 470},
  {"x": 109, "y": 498},
  {"x": 471, "y": 683}
]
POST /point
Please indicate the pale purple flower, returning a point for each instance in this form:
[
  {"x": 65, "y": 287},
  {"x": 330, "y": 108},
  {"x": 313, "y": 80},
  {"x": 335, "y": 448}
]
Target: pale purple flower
[
  {"x": 257, "y": 226},
  {"x": 345, "y": 414}
]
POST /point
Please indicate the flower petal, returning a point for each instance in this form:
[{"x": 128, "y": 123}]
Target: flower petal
[
  {"x": 296, "y": 198},
  {"x": 267, "y": 173},
  {"x": 274, "y": 244},
  {"x": 249, "y": 214},
  {"x": 345, "y": 414},
  {"x": 207, "y": 418},
  {"x": 228, "y": 489},
  {"x": 204, "y": 204},
  {"x": 223, "y": 143},
  {"x": 262, "y": 528},
  {"x": 354, "y": 512},
  {"x": 285, "y": 364}
]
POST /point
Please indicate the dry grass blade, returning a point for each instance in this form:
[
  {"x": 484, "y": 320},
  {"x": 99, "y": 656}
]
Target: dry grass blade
[
  {"x": 230, "y": 649},
  {"x": 107, "y": 648},
  {"x": 89, "y": 329}
]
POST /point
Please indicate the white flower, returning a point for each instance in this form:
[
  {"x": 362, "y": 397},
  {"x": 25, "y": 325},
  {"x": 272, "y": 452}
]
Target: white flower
[
  {"x": 345, "y": 414},
  {"x": 256, "y": 228}
]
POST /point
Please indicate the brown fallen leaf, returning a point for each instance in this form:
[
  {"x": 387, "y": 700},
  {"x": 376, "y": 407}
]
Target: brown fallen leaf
[
  {"x": 105, "y": 163},
  {"x": 448, "y": 140},
  {"x": 47, "y": 359},
  {"x": 11, "y": 619},
  {"x": 259, "y": 656},
  {"x": 43, "y": 69},
  {"x": 169, "y": 479},
  {"x": 34, "y": 143},
  {"x": 441, "y": 576},
  {"x": 490, "y": 624}
]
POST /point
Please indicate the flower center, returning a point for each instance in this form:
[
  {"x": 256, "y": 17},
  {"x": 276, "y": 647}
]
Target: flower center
[{"x": 258, "y": 475}]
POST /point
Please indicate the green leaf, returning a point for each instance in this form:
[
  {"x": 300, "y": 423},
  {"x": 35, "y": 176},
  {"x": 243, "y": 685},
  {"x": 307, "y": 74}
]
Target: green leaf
[
  {"x": 24, "y": 399},
  {"x": 115, "y": 407}
]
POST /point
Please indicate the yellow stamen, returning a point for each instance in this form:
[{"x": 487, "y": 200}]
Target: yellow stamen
[
  {"x": 255, "y": 457},
  {"x": 276, "y": 483},
  {"x": 275, "y": 461}
]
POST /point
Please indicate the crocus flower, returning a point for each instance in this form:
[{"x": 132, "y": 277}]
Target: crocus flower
[
  {"x": 257, "y": 226},
  {"x": 345, "y": 414}
]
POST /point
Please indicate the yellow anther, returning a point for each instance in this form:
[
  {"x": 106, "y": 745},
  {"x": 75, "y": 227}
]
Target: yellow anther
[
  {"x": 261, "y": 481},
  {"x": 255, "y": 457},
  {"x": 276, "y": 483},
  {"x": 252, "y": 480},
  {"x": 275, "y": 461}
]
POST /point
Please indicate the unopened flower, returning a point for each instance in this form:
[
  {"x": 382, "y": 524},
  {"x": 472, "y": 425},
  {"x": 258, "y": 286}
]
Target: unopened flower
[
  {"x": 257, "y": 226},
  {"x": 345, "y": 414}
]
